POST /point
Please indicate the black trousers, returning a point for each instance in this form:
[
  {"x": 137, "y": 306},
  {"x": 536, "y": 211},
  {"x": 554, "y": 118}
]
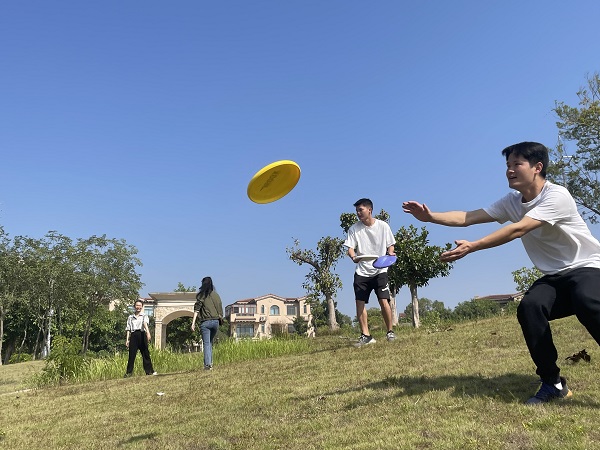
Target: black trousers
[
  {"x": 139, "y": 341},
  {"x": 554, "y": 297}
]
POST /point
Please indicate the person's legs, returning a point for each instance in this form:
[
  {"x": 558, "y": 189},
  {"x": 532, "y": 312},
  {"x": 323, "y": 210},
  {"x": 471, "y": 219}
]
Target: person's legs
[
  {"x": 361, "y": 315},
  {"x": 534, "y": 315},
  {"x": 146, "y": 361},
  {"x": 209, "y": 331},
  {"x": 383, "y": 295},
  {"x": 362, "y": 291},
  {"x": 585, "y": 297},
  {"x": 134, "y": 344}
]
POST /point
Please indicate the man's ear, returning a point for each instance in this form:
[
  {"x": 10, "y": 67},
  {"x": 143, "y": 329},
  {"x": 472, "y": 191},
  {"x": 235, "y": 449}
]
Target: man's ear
[{"x": 539, "y": 166}]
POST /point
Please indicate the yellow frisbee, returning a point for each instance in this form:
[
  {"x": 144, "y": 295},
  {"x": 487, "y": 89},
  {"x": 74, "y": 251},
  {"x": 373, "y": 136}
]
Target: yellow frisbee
[{"x": 274, "y": 181}]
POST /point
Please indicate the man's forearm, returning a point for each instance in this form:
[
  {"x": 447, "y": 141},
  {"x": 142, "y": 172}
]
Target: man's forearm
[{"x": 450, "y": 218}]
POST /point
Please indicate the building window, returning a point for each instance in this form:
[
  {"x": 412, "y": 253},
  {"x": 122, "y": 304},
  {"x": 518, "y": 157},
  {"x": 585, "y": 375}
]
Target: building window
[
  {"x": 291, "y": 310},
  {"x": 291, "y": 329},
  {"x": 244, "y": 330},
  {"x": 246, "y": 310},
  {"x": 262, "y": 309},
  {"x": 149, "y": 311},
  {"x": 305, "y": 309},
  {"x": 274, "y": 311},
  {"x": 262, "y": 328}
]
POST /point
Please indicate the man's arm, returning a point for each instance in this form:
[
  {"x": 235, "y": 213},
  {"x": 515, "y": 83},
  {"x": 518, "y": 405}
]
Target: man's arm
[
  {"x": 498, "y": 237},
  {"x": 450, "y": 218}
]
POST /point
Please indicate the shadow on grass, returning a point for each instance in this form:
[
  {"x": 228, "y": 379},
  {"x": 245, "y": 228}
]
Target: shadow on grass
[
  {"x": 139, "y": 437},
  {"x": 508, "y": 388}
]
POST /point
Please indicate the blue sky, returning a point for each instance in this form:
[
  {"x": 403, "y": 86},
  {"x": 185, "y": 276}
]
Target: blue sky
[{"x": 146, "y": 120}]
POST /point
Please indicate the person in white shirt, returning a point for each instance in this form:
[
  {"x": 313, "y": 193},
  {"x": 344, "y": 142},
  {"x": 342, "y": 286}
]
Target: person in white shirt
[
  {"x": 558, "y": 242},
  {"x": 138, "y": 336},
  {"x": 370, "y": 236}
]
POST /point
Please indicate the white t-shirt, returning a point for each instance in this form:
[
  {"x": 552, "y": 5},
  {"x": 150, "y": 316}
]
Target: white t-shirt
[
  {"x": 373, "y": 240},
  {"x": 135, "y": 323},
  {"x": 564, "y": 242}
]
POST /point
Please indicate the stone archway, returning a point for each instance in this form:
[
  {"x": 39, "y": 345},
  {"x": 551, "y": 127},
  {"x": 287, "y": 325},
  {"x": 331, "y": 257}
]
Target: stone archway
[{"x": 169, "y": 306}]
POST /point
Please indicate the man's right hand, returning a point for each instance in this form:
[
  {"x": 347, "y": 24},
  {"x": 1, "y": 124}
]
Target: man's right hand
[{"x": 418, "y": 210}]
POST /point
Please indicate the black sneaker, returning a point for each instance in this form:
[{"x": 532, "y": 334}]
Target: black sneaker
[
  {"x": 365, "y": 340},
  {"x": 548, "y": 393}
]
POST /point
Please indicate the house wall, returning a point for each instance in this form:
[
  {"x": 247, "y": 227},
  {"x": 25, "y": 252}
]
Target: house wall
[{"x": 264, "y": 317}]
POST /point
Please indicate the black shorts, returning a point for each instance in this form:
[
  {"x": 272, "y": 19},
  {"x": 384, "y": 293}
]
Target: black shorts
[{"x": 364, "y": 285}]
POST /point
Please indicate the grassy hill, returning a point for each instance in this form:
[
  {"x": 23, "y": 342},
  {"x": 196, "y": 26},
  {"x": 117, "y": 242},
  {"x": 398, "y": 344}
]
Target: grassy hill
[{"x": 459, "y": 388}]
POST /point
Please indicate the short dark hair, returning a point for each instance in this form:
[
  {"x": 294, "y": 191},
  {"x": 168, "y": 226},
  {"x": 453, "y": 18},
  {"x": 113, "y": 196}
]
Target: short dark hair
[
  {"x": 139, "y": 300},
  {"x": 534, "y": 152},
  {"x": 364, "y": 202}
]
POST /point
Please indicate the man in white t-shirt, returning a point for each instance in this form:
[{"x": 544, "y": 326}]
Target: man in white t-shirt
[
  {"x": 370, "y": 236},
  {"x": 558, "y": 242}
]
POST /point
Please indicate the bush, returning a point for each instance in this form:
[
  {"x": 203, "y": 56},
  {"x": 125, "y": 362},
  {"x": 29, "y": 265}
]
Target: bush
[
  {"x": 19, "y": 357},
  {"x": 64, "y": 363}
]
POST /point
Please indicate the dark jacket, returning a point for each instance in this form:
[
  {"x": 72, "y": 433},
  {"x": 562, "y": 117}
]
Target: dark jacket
[{"x": 209, "y": 308}]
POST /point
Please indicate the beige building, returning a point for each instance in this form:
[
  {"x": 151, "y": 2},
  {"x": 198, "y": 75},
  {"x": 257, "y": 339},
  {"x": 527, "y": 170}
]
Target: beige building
[{"x": 263, "y": 317}]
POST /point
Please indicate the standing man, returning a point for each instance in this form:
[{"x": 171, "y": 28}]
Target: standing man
[
  {"x": 370, "y": 236},
  {"x": 558, "y": 242}
]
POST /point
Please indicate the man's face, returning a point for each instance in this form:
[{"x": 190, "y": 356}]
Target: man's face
[
  {"x": 363, "y": 212},
  {"x": 138, "y": 306},
  {"x": 520, "y": 173}
]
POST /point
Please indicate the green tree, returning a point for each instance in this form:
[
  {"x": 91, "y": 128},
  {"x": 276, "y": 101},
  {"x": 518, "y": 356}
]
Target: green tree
[
  {"x": 107, "y": 271},
  {"x": 579, "y": 171},
  {"x": 524, "y": 277},
  {"x": 476, "y": 309},
  {"x": 321, "y": 281},
  {"x": 181, "y": 288},
  {"x": 300, "y": 325},
  {"x": 418, "y": 262},
  {"x": 427, "y": 307},
  {"x": 52, "y": 283},
  {"x": 11, "y": 281}
]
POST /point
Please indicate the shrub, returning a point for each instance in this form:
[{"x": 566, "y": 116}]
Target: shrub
[{"x": 64, "y": 363}]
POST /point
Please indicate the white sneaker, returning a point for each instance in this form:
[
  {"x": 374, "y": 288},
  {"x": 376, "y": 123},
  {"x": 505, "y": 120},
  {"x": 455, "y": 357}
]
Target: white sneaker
[{"x": 365, "y": 340}]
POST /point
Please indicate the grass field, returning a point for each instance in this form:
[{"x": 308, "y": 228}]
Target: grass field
[{"x": 462, "y": 388}]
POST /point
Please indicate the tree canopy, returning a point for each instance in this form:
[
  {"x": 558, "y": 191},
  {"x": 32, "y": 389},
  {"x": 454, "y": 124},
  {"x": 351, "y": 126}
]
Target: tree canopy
[
  {"x": 321, "y": 280},
  {"x": 579, "y": 170},
  {"x": 418, "y": 262}
]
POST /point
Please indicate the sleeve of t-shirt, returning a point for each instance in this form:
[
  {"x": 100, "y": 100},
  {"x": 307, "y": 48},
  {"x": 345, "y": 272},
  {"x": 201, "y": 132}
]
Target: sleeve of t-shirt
[
  {"x": 498, "y": 210},
  {"x": 555, "y": 206},
  {"x": 389, "y": 237},
  {"x": 350, "y": 241}
]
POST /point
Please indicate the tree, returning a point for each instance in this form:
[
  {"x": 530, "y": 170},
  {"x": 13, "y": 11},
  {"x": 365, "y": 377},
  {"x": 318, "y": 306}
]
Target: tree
[
  {"x": 107, "y": 271},
  {"x": 52, "y": 283},
  {"x": 525, "y": 277},
  {"x": 427, "y": 307},
  {"x": 417, "y": 263},
  {"x": 181, "y": 288},
  {"x": 476, "y": 309},
  {"x": 11, "y": 281},
  {"x": 321, "y": 281},
  {"x": 579, "y": 171}
]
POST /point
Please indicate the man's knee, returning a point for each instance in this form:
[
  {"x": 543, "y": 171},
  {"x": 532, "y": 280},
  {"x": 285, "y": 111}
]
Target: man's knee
[{"x": 526, "y": 307}]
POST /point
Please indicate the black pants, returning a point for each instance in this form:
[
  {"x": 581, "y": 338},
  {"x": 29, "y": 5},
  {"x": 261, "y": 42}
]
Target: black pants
[
  {"x": 554, "y": 297},
  {"x": 139, "y": 341}
]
